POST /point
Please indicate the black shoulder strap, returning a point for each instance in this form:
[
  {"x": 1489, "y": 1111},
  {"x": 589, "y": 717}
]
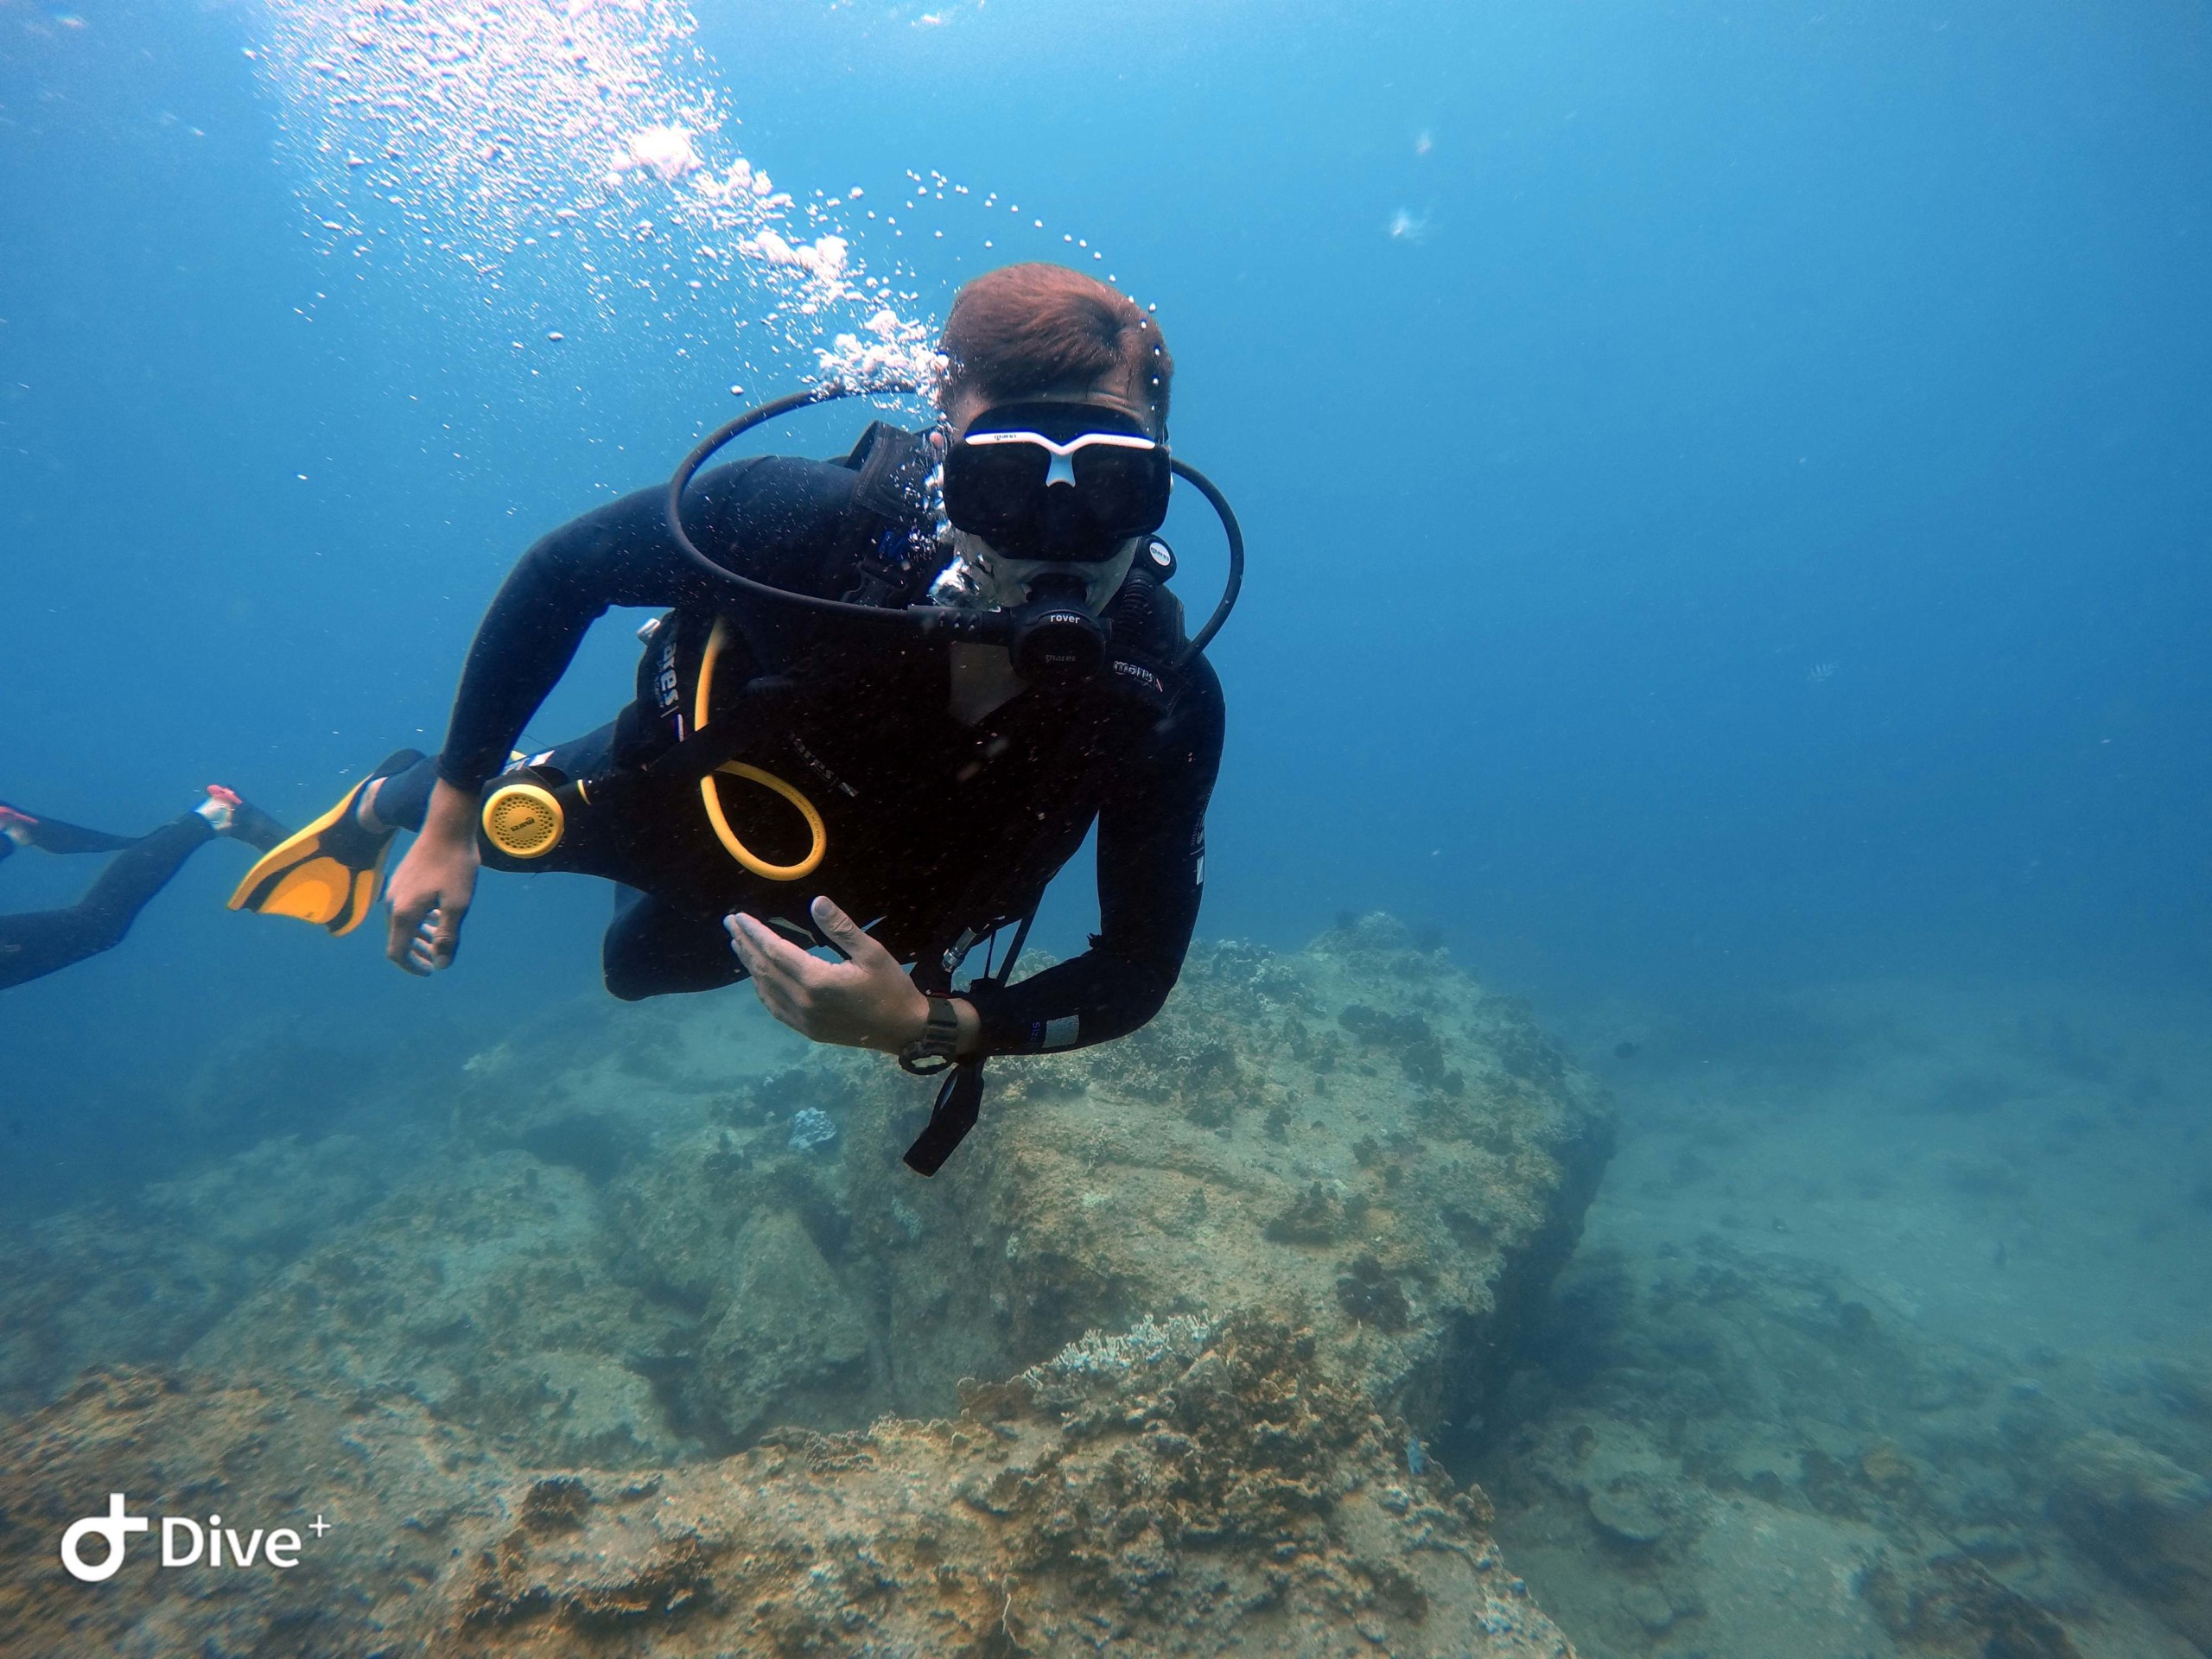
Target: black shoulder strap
[
  {"x": 890, "y": 502},
  {"x": 760, "y": 704},
  {"x": 1147, "y": 643},
  {"x": 894, "y": 465}
]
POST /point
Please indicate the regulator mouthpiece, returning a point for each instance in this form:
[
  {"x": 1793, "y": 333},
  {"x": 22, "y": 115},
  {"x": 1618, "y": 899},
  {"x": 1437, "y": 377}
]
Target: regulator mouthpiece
[{"x": 1057, "y": 641}]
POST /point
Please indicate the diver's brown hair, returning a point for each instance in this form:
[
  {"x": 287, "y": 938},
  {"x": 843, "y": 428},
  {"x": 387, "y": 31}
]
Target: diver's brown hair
[{"x": 1024, "y": 329}]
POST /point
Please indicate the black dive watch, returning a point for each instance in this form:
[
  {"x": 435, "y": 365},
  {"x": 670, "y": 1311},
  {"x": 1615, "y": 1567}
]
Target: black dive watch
[{"x": 939, "y": 1045}]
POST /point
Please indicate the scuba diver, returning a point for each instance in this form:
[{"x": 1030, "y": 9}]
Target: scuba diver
[
  {"x": 36, "y": 943},
  {"x": 900, "y": 687}
]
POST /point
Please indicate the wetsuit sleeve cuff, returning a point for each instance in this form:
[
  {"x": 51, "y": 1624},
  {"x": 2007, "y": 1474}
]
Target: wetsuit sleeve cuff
[
  {"x": 466, "y": 773},
  {"x": 1004, "y": 1027}
]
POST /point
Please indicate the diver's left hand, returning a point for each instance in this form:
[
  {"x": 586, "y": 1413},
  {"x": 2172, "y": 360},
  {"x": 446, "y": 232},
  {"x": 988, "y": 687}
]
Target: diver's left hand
[{"x": 865, "y": 1001}]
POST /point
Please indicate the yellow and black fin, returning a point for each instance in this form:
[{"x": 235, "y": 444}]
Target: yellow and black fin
[{"x": 327, "y": 872}]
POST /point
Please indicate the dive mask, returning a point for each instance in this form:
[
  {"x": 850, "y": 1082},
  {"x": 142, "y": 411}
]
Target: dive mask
[
  {"x": 1065, "y": 483},
  {"x": 1042, "y": 633}
]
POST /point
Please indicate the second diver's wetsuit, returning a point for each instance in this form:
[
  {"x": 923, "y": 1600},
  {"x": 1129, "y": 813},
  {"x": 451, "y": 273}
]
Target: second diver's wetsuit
[
  {"x": 937, "y": 831},
  {"x": 36, "y": 943}
]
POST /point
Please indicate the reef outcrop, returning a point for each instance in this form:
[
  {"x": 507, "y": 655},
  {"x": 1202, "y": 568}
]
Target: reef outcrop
[
  {"x": 1177, "y": 1489},
  {"x": 670, "y": 1353},
  {"x": 1406, "y": 1180}
]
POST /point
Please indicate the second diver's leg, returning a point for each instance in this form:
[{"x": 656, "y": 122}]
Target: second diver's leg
[
  {"x": 36, "y": 943},
  {"x": 40, "y": 942},
  {"x": 22, "y": 828},
  {"x": 134, "y": 875}
]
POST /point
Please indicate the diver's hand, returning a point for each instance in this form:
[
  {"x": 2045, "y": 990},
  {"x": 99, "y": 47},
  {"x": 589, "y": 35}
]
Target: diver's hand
[
  {"x": 431, "y": 892},
  {"x": 865, "y": 1001}
]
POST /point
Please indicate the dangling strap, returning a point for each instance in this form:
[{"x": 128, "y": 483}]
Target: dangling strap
[
  {"x": 1014, "y": 950},
  {"x": 959, "y": 1100},
  {"x": 960, "y": 1096}
]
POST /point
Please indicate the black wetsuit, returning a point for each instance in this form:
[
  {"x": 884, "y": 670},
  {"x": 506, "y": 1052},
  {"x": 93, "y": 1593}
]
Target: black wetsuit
[
  {"x": 35, "y": 943},
  {"x": 937, "y": 830}
]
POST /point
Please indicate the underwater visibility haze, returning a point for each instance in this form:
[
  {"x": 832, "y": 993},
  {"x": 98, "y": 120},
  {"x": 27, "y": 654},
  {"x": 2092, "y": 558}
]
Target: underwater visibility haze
[{"x": 1694, "y": 1065}]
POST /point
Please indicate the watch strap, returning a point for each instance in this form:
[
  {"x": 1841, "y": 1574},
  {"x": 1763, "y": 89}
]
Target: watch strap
[{"x": 938, "y": 1044}]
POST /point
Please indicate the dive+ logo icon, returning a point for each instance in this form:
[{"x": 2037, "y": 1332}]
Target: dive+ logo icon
[{"x": 185, "y": 1542}]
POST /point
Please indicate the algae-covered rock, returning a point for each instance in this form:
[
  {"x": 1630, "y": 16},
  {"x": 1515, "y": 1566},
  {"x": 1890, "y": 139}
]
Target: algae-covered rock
[
  {"x": 1182, "y": 1489},
  {"x": 482, "y": 1289},
  {"x": 2147, "y": 1518},
  {"x": 140, "y": 1282},
  {"x": 1628, "y": 1512},
  {"x": 1306, "y": 1208},
  {"x": 783, "y": 1338},
  {"x": 1355, "y": 1129},
  {"x": 396, "y": 1490}
]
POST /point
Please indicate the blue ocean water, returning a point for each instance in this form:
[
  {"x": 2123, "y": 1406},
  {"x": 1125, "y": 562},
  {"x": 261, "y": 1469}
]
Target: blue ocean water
[{"x": 1724, "y": 487}]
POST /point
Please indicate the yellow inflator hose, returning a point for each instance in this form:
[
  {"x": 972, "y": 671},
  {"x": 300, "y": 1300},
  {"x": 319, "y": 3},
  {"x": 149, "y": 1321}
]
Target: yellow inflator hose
[{"x": 737, "y": 849}]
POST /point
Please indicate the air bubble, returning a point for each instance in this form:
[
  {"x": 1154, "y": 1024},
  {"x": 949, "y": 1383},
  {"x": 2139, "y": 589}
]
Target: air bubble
[{"x": 474, "y": 118}]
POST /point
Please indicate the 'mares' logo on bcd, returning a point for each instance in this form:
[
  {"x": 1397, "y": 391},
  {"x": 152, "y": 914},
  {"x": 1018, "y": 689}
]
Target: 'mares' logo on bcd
[{"x": 184, "y": 1542}]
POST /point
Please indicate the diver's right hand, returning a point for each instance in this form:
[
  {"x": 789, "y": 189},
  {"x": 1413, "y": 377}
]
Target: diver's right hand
[{"x": 431, "y": 890}]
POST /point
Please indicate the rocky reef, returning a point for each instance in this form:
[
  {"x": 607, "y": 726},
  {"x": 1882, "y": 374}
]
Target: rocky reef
[
  {"x": 1896, "y": 1305},
  {"x": 1178, "y": 1489},
  {"x": 659, "y": 1348}
]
